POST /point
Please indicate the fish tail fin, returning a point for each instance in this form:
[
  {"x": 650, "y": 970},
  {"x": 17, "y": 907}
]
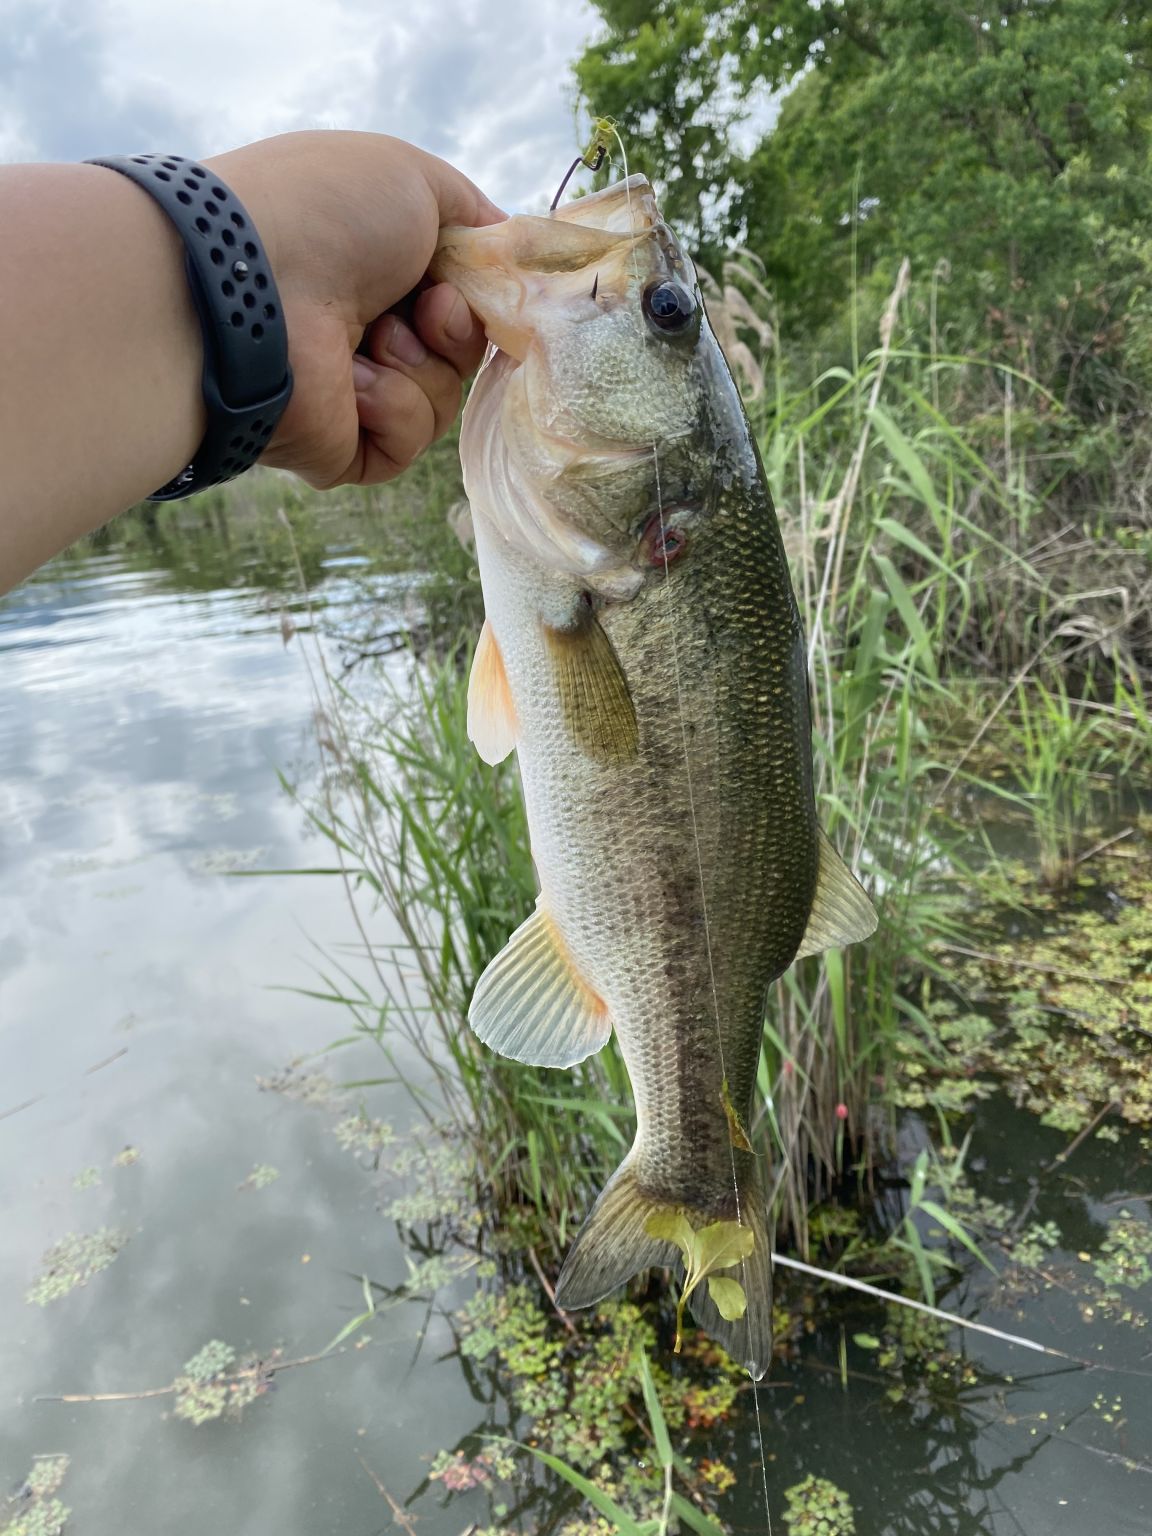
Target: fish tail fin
[
  {"x": 747, "y": 1339},
  {"x": 614, "y": 1244}
]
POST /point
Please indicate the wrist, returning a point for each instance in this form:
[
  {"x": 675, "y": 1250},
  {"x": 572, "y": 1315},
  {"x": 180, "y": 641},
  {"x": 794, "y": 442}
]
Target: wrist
[{"x": 246, "y": 380}]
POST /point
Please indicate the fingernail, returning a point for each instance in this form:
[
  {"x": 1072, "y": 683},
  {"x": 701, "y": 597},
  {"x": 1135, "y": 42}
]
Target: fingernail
[
  {"x": 458, "y": 325},
  {"x": 363, "y": 374},
  {"x": 404, "y": 345}
]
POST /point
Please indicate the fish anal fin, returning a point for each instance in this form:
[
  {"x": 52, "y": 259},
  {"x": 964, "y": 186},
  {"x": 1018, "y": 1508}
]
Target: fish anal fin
[
  {"x": 492, "y": 725},
  {"x": 842, "y": 912},
  {"x": 593, "y": 690},
  {"x": 533, "y": 1005}
]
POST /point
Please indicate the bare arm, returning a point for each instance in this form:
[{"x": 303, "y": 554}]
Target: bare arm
[{"x": 100, "y": 350}]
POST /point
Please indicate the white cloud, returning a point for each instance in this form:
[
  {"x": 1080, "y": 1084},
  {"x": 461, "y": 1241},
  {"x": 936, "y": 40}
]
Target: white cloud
[{"x": 487, "y": 86}]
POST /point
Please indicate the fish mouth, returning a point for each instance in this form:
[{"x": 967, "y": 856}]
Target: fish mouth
[{"x": 589, "y": 251}]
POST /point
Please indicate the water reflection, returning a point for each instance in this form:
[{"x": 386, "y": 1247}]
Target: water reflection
[{"x": 146, "y": 703}]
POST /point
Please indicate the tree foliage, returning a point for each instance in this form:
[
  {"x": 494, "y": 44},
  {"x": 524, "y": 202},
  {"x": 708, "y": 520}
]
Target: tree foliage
[{"x": 1007, "y": 146}]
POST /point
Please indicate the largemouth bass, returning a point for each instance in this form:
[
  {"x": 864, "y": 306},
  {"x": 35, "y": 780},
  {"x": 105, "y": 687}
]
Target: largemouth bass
[{"x": 644, "y": 655}]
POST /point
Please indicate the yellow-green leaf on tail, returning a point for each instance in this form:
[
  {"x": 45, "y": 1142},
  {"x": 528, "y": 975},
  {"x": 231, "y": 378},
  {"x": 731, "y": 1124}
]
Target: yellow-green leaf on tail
[
  {"x": 731, "y": 1302},
  {"x": 720, "y": 1245},
  {"x": 672, "y": 1226}
]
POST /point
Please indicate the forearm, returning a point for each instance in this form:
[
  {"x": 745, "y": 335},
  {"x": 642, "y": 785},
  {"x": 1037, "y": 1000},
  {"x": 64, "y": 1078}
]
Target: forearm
[{"x": 100, "y": 357}]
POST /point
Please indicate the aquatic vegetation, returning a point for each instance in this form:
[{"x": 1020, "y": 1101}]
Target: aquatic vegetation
[
  {"x": 1036, "y": 1243},
  {"x": 458, "y": 1473},
  {"x": 215, "y": 1382},
  {"x": 1125, "y": 1256},
  {"x": 816, "y": 1507},
  {"x": 577, "y": 1390},
  {"x": 306, "y": 1085},
  {"x": 126, "y": 1157},
  {"x": 360, "y": 1133},
  {"x": 88, "y": 1178},
  {"x": 1070, "y": 1006},
  {"x": 1058, "y": 749},
  {"x": 439, "y": 1179},
  {"x": 34, "y": 1510},
  {"x": 261, "y": 1176},
  {"x": 914, "y": 1352},
  {"x": 73, "y": 1261}
]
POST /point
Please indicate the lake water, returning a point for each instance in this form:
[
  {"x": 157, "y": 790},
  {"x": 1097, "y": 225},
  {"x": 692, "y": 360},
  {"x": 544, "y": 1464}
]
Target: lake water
[{"x": 146, "y": 707}]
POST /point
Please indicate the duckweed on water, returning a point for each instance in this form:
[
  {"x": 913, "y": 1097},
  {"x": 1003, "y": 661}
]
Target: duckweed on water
[
  {"x": 1036, "y": 1243},
  {"x": 88, "y": 1178},
  {"x": 73, "y": 1261},
  {"x": 578, "y": 1394},
  {"x": 213, "y": 1384},
  {"x": 360, "y": 1133},
  {"x": 1070, "y": 1009},
  {"x": 1125, "y": 1257},
  {"x": 35, "y": 1510},
  {"x": 816, "y": 1507},
  {"x": 261, "y": 1176}
]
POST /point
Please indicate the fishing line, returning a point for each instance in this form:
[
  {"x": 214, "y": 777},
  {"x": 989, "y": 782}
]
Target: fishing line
[{"x": 699, "y": 854}]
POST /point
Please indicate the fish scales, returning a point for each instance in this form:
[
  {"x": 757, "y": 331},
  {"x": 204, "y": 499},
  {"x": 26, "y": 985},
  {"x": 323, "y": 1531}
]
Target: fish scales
[{"x": 644, "y": 654}]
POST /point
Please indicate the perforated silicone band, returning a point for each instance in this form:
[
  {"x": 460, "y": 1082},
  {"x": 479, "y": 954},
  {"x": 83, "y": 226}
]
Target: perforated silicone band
[{"x": 246, "y": 379}]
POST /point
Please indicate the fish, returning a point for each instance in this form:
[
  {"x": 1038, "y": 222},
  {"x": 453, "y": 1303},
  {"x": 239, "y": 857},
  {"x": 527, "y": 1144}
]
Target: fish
[{"x": 643, "y": 654}]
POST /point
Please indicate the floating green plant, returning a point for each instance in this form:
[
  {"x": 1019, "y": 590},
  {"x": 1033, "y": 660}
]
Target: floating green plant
[
  {"x": 1069, "y": 1007},
  {"x": 1125, "y": 1257},
  {"x": 816, "y": 1507},
  {"x": 73, "y": 1261},
  {"x": 35, "y": 1510},
  {"x": 261, "y": 1176},
  {"x": 360, "y": 1133},
  {"x": 213, "y": 1383}
]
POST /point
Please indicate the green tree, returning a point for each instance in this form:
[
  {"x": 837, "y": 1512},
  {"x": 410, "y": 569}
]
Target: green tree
[{"x": 1011, "y": 141}]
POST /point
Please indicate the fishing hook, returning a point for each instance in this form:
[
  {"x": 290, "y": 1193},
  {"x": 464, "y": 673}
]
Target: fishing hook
[{"x": 592, "y": 161}]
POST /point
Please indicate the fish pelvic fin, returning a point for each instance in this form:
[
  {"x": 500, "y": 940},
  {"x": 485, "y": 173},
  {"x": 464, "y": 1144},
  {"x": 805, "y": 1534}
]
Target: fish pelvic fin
[
  {"x": 842, "y": 912},
  {"x": 492, "y": 725},
  {"x": 532, "y": 1004},
  {"x": 614, "y": 1244}
]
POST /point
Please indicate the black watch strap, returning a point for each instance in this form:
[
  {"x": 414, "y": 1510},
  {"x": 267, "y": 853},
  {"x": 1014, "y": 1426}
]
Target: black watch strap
[{"x": 247, "y": 382}]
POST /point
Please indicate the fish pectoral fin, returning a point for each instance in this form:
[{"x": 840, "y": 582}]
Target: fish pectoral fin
[
  {"x": 842, "y": 912},
  {"x": 533, "y": 1005},
  {"x": 492, "y": 724},
  {"x": 594, "y": 696}
]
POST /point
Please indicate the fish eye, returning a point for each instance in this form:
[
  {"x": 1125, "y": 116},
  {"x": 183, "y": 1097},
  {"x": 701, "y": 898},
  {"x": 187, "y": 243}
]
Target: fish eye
[{"x": 669, "y": 306}]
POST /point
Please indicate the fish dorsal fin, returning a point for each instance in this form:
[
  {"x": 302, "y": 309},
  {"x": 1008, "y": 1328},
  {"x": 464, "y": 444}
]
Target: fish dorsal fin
[
  {"x": 533, "y": 1005},
  {"x": 841, "y": 910},
  {"x": 492, "y": 726},
  {"x": 593, "y": 690}
]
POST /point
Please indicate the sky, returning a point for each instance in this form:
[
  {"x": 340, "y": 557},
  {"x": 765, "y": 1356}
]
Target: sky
[{"x": 485, "y": 83}]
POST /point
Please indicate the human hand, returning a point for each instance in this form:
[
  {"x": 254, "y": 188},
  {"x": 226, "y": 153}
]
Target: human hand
[{"x": 350, "y": 222}]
